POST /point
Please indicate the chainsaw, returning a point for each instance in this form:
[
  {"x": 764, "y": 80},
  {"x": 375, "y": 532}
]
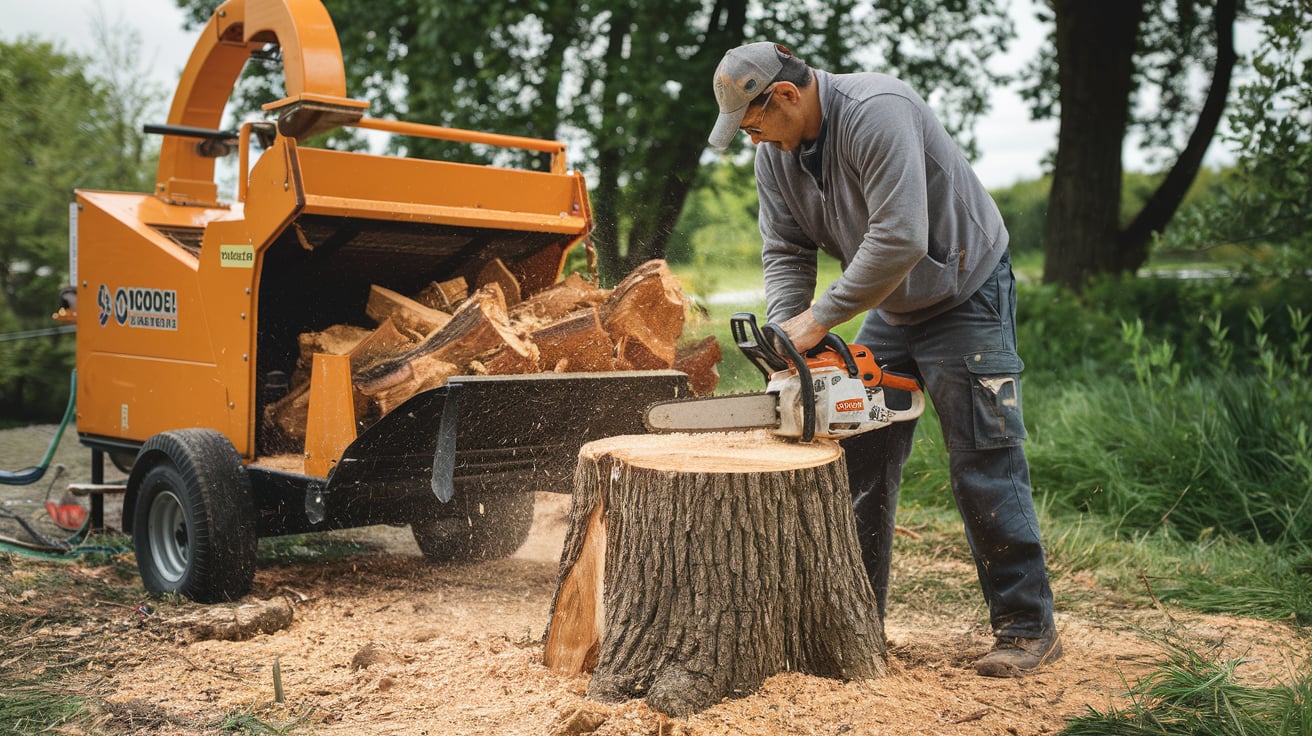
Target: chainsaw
[{"x": 836, "y": 390}]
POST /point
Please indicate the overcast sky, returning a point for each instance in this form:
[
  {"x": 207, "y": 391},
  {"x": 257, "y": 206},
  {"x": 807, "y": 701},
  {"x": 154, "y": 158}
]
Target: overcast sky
[{"x": 1012, "y": 147}]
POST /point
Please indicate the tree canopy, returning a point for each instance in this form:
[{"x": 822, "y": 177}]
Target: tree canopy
[
  {"x": 1110, "y": 55},
  {"x": 64, "y": 128},
  {"x": 627, "y": 82},
  {"x": 1265, "y": 204}
]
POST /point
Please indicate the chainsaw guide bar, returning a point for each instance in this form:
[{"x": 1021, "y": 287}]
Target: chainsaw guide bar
[{"x": 715, "y": 414}]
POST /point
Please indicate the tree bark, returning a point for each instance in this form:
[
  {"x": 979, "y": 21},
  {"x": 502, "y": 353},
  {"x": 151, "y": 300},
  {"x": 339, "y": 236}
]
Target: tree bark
[
  {"x": 696, "y": 566},
  {"x": 1161, "y": 206},
  {"x": 1095, "y": 58}
]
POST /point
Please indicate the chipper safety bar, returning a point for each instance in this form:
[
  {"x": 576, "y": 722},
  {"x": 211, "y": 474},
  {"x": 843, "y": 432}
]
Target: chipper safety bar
[{"x": 190, "y": 305}]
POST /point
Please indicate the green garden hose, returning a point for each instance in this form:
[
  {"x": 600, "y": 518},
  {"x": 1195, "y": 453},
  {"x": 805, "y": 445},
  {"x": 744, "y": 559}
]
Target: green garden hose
[{"x": 28, "y": 476}]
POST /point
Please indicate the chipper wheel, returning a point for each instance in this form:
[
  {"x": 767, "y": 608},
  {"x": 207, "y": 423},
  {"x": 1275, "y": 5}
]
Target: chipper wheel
[
  {"x": 193, "y": 516},
  {"x": 475, "y": 526}
]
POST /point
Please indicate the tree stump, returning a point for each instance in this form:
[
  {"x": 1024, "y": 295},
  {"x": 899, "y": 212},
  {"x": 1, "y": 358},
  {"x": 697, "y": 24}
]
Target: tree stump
[{"x": 696, "y": 566}]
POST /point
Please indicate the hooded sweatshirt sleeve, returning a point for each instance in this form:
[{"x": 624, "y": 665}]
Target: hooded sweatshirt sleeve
[{"x": 881, "y": 144}]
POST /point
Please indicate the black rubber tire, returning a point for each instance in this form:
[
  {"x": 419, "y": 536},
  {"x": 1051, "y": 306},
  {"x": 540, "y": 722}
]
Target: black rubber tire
[
  {"x": 194, "y": 523},
  {"x": 479, "y": 526}
]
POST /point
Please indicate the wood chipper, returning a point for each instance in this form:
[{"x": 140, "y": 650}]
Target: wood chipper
[{"x": 190, "y": 312}]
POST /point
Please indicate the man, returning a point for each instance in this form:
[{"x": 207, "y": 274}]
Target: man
[{"x": 859, "y": 167}]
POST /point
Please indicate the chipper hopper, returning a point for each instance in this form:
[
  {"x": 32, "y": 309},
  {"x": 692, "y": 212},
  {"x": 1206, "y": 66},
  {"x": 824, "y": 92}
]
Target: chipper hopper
[{"x": 191, "y": 311}]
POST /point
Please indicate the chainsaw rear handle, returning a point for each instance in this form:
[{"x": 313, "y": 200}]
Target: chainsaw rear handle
[{"x": 899, "y": 381}]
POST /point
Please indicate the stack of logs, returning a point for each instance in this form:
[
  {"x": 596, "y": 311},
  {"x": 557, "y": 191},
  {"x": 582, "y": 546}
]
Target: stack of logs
[{"x": 450, "y": 329}]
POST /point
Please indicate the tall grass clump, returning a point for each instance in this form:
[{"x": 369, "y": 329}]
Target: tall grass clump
[
  {"x": 1190, "y": 694},
  {"x": 1226, "y": 448}
]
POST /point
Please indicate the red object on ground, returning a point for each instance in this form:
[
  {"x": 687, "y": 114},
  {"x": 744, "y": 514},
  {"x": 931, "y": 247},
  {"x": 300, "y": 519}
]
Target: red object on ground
[{"x": 66, "y": 514}]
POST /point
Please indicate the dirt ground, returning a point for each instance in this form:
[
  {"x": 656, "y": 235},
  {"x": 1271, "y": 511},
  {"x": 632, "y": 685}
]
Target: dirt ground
[{"x": 383, "y": 643}]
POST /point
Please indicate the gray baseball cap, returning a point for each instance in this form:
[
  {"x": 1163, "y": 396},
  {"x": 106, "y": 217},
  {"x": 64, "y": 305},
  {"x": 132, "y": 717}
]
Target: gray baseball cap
[{"x": 742, "y": 75}]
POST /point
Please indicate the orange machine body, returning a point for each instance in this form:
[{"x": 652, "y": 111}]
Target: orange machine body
[{"x": 186, "y": 301}]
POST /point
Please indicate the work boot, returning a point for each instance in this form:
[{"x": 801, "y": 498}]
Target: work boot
[{"x": 1014, "y": 656}]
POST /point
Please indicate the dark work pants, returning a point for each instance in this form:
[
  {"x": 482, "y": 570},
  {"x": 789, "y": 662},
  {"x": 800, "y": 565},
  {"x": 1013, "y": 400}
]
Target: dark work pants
[{"x": 966, "y": 359}]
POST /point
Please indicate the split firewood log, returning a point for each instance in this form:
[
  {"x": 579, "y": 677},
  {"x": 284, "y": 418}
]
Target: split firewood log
[
  {"x": 421, "y": 374},
  {"x": 558, "y": 301},
  {"x": 479, "y": 327},
  {"x": 383, "y": 341},
  {"x": 444, "y": 296},
  {"x": 506, "y": 360},
  {"x": 408, "y": 315},
  {"x": 333, "y": 340},
  {"x": 287, "y": 417},
  {"x": 575, "y": 343},
  {"x": 700, "y": 360},
  {"x": 285, "y": 420},
  {"x": 495, "y": 272},
  {"x": 644, "y": 316},
  {"x": 539, "y": 270}
]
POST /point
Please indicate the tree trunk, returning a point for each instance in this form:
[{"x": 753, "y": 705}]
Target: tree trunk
[
  {"x": 1161, "y": 207},
  {"x": 696, "y": 566},
  {"x": 636, "y": 214},
  {"x": 1095, "y": 58},
  {"x": 610, "y": 154}
]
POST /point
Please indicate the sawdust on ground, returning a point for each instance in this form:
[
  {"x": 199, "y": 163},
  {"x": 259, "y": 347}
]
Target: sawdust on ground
[{"x": 384, "y": 643}]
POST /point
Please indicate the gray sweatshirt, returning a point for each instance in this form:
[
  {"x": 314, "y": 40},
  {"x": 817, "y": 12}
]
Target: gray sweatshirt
[{"x": 896, "y": 202}]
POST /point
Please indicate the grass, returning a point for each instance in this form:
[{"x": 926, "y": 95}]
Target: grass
[
  {"x": 1188, "y": 693},
  {"x": 251, "y": 723},
  {"x": 38, "y": 708},
  {"x": 296, "y": 549},
  {"x": 46, "y": 676}
]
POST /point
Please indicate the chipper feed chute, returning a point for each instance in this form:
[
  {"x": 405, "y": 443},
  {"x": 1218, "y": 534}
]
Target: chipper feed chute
[{"x": 198, "y": 306}]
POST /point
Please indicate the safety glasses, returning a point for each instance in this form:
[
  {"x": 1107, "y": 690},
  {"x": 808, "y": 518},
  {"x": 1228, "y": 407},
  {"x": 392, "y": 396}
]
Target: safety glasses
[{"x": 752, "y": 130}]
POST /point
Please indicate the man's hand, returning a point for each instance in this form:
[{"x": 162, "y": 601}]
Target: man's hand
[{"x": 804, "y": 332}]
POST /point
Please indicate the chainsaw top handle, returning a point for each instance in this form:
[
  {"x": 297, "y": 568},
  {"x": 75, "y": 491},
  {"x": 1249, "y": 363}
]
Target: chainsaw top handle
[
  {"x": 769, "y": 356},
  {"x": 838, "y": 345}
]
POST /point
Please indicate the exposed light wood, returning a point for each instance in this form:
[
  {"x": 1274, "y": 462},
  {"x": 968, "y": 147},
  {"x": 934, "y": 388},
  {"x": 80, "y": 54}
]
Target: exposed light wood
[
  {"x": 700, "y": 360},
  {"x": 408, "y": 316},
  {"x": 444, "y": 330}
]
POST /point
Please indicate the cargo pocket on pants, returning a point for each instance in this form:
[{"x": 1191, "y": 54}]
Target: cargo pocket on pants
[{"x": 995, "y": 394}]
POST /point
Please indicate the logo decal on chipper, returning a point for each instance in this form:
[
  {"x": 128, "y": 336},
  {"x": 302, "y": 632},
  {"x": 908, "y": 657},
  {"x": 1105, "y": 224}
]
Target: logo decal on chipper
[
  {"x": 850, "y": 405},
  {"x": 155, "y": 309},
  {"x": 237, "y": 256}
]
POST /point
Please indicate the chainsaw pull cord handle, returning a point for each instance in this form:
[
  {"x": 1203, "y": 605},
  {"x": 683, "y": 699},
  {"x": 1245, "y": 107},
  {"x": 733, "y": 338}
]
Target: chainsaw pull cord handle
[
  {"x": 780, "y": 342},
  {"x": 753, "y": 344}
]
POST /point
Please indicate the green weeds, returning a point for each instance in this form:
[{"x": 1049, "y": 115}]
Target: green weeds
[
  {"x": 37, "y": 708},
  {"x": 1191, "y": 694},
  {"x": 1227, "y": 449},
  {"x": 301, "y": 548}
]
